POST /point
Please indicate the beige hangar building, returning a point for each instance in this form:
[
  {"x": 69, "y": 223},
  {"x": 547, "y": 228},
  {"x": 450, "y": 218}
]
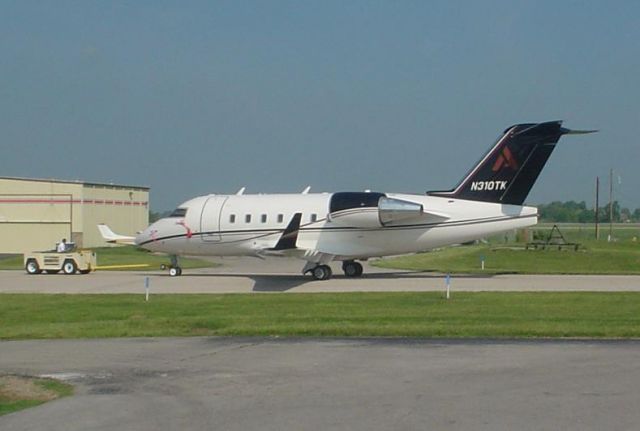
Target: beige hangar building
[{"x": 35, "y": 214}]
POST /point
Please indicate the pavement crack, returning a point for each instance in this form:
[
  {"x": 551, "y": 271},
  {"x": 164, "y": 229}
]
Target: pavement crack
[{"x": 222, "y": 350}]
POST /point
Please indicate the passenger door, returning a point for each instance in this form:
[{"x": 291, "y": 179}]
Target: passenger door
[{"x": 210, "y": 218}]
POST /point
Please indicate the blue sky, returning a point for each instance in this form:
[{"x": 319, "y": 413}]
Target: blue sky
[{"x": 192, "y": 97}]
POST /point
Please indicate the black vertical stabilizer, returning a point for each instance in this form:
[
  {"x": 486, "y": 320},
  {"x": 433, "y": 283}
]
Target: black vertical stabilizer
[{"x": 508, "y": 171}]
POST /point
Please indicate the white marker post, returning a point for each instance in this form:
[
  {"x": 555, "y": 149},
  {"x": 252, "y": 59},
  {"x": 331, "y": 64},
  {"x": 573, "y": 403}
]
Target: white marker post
[
  {"x": 482, "y": 262},
  {"x": 448, "y": 283},
  {"x": 146, "y": 289}
]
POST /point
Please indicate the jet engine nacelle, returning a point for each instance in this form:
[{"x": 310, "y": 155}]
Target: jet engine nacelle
[
  {"x": 356, "y": 217},
  {"x": 384, "y": 211},
  {"x": 396, "y": 211}
]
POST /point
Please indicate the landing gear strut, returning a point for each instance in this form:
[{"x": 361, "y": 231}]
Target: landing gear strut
[
  {"x": 352, "y": 268},
  {"x": 174, "y": 269}
]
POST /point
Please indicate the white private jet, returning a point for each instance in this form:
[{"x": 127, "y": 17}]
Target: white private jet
[{"x": 351, "y": 226}]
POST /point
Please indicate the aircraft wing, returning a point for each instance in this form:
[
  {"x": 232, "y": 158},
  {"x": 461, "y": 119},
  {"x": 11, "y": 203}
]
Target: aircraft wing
[
  {"x": 286, "y": 245},
  {"x": 290, "y": 235},
  {"x": 111, "y": 237}
]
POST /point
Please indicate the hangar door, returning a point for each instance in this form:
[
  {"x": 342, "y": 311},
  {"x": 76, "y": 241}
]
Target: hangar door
[
  {"x": 210, "y": 218},
  {"x": 31, "y": 222}
]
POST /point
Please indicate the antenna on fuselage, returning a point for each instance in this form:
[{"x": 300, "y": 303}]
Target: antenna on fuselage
[
  {"x": 306, "y": 190},
  {"x": 241, "y": 191}
]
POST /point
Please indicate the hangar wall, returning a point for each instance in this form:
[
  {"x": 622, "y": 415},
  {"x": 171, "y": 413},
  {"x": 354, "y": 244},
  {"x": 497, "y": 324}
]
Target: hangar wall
[{"x": 36, "y": 214}]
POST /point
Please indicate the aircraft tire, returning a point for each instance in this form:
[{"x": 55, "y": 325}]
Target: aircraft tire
[
  {"x": 175, "y": 271},
  {"x": 352, "y": 269},
  {"x": 321, "y": 272}
]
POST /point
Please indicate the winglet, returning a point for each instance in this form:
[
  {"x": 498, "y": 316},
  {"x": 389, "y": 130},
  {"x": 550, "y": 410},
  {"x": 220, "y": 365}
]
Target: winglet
[
  {"x": 290, "y": 235},
  {"x": 111, "y": 237}
]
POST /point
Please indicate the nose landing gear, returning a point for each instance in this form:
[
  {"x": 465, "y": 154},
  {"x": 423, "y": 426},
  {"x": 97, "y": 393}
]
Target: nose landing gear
[{"x": 174, "y": 269}]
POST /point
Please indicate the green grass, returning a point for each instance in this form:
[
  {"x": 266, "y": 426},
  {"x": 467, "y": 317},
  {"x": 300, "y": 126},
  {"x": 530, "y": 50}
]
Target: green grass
[
  {"x": 7, "y": 406},
  {"x": 484, "y": 314},
  {"x": 13, "y": 404},
  {"x": 501, "y": 255},
  {"x": 600, "y": 258},
  {"x": 123, "y": 255},
  {"x": 579, "y": 232}
]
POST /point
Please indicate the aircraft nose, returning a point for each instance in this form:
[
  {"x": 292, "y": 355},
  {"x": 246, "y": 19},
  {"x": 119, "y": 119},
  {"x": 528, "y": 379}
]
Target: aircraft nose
[
  {"x": 146, "y": 236},
  {"x": 141, "y": 237}
]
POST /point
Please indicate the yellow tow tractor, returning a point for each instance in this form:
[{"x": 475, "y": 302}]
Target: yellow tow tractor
[{"x": 69, "y": 262}]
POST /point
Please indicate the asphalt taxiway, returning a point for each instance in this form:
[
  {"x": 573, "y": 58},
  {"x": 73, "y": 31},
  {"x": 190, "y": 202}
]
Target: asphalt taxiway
[
  {"x": 247, "y": 275},
  {"x": 332, "y": 384}
]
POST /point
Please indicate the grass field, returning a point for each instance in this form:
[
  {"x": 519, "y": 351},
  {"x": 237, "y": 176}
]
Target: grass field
[
  {"x": 596, "y": 258},
  {"x": 18, "y": 393},
  {"x": 495, "y": 315},
  {"x": 621, "y": 256},
  {"x": 116, "y": 256}
]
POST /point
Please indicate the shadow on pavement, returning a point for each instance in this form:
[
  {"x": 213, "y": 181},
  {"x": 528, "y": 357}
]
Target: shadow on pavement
[{"x": 284, "y": 282}]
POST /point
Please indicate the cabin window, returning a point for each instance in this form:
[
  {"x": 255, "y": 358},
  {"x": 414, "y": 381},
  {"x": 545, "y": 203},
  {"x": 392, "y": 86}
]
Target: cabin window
[
  {"x": 247, "y": 218},
  {"x": 314, "y": 218},
  {"x": 232, "y": 218},
  {"x": 178, "y": 212},
  {"x": 263, "y": 218},
  {"x": 280, "y": 218}
]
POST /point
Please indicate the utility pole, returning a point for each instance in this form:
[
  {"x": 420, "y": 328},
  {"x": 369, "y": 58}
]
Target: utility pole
[
  {"x": 610, "y": 204},
  {"x": 596, "y": 209}
]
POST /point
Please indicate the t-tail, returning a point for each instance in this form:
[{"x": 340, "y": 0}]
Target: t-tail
[{"x": 509, "y": 170}]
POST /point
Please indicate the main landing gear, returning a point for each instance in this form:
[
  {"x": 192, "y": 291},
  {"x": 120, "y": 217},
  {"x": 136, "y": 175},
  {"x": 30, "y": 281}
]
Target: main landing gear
[
  {"x": 351, "y": 268},
  {"x": 317, "y": 271},
  {"x": 174, "y": 269},
  {"x": 321, "y": 272}
]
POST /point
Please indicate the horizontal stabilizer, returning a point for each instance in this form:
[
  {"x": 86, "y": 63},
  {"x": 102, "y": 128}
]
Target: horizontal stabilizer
[
  {"x": 111, "y": 237},
  {"x": 578, "y": 132}
]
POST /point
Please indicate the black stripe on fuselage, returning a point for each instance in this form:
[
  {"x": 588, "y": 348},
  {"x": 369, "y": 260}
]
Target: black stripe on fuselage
[{"x": 261, "y": 233}]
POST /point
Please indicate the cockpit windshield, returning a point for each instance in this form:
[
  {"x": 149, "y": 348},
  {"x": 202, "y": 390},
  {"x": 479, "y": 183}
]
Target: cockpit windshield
[{"x": 179, "y": 212}]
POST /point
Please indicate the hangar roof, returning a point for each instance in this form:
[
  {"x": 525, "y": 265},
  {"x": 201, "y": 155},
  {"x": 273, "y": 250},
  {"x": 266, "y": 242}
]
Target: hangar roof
[{"x": 79, "y": 182}]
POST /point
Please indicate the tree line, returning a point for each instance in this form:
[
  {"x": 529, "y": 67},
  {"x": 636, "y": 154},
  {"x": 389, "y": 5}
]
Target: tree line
[{"x": 577, "y": 212}]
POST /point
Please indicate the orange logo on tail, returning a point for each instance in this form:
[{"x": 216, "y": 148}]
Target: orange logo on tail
[{"x": 505, "y": 159}]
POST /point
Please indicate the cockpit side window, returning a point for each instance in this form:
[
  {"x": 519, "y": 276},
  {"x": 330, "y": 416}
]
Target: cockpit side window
[{"x": 179, "y": 212}]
